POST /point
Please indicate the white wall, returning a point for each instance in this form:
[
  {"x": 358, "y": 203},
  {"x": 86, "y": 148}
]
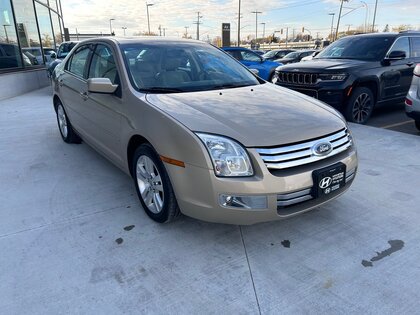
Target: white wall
[{"x": 17, "y": 83}]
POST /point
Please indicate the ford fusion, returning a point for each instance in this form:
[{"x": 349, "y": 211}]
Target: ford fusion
[{"x": 199, "y": 133}]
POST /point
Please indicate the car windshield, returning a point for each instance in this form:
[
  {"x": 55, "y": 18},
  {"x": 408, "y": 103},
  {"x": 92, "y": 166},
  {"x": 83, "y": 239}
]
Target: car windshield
[
  {"x": 292, "y": 55},
  {"x": 64, "y": 49},
  {"x": 183, "y": 67},
  {"x": 270, "y": 54},
  {"x": 367, "y": 48}
]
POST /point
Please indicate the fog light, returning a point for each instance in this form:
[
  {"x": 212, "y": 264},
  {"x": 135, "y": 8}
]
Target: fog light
[{"x": 243, "y": 202}]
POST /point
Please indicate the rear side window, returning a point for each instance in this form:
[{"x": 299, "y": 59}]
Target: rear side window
[
  {"x": 103, "y": 64},
  {"x": 402, "y": 44},
  {"x": 249, "y": 56},
  {"x": 77, "y": 63},
  {"x": 415, "y": 46}
]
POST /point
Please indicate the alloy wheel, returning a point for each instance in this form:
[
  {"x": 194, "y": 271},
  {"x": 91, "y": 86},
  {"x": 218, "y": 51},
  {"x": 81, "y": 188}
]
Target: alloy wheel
[
  {"x": 62, "y": 121},
  {"x": 362, "y": 108},
  {"x": 150, "y": 184}
]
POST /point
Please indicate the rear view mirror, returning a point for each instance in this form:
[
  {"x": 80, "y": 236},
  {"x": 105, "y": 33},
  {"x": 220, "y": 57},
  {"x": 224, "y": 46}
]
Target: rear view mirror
[
  {"x": 101, "y": 85},
  {"x": 254, "y": 71},
  {"x": 396, "y": 55}
]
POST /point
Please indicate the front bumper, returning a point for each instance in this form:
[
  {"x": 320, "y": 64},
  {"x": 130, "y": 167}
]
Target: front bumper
[{"x": 198, "y": 190}]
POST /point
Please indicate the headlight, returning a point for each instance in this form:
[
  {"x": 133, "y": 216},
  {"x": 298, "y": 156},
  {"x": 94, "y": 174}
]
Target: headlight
[
  {"x": 229, "y": 157},
  {"x": 333, "y": 77}
]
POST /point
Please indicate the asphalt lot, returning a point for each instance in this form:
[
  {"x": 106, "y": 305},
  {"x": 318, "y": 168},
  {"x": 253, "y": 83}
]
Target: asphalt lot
[
  {"x": 393, "y": 117},
  {"x": 75, "y": 240}
]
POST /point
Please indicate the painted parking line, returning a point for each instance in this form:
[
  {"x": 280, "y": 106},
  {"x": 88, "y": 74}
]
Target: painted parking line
[{"x": 397, "y": 124}]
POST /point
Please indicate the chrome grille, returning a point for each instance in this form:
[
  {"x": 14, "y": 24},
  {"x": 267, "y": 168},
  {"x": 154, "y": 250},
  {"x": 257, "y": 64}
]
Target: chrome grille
[
  {"x": 297, "y": 78},
  {"x": 304, "y": 153}
]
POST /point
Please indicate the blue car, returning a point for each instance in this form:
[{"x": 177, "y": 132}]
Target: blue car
[{"x": 266, "y": 68}]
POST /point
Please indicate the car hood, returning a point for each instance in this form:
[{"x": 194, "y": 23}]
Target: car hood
[
  {"x": 261, "y": 115},
  {"x": 325, "y": 64},
  {"x": 285, "y": 60}
]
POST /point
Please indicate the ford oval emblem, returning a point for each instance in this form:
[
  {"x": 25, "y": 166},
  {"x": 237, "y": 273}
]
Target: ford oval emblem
[{"x": 322, "y": 148}]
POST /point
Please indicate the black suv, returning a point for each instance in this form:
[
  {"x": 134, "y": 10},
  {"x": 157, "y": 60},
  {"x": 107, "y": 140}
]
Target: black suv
[{"x": 356, "y": 73}]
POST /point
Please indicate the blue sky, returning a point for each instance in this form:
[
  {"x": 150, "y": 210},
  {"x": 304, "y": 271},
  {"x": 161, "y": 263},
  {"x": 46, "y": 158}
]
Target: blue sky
[{"x": 94, "y": 15}]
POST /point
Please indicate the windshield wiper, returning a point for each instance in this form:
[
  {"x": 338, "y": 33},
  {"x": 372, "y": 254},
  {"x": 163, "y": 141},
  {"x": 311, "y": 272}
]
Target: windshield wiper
[
  {"x": 162, "y": 90},
  {"x": 228, "y": 86}
]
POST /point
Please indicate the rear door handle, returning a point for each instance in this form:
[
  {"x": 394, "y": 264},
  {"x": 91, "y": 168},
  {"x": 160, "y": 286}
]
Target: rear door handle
[{"x": 84, "y": 95}]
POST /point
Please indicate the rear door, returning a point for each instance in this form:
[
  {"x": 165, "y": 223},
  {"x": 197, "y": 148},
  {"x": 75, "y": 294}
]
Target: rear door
[{"x": 71, "y": 82}]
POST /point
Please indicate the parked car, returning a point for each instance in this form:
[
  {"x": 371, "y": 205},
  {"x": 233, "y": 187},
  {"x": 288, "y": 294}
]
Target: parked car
[
  {"x": 412, "y": 102},
  {"x": 250, "y": 59},
  {"x": 199, "y": 133},
  {"x": 34, "y": 51},
  {"x": 259, "y": 52},
  {"x": 276, "y": 54},
  {"x": 357, "y": 73},
  {"x": 295, "y": 56},
  {"x": 62, "y": 52},
  {"x": 9, "y": 56},
  {"x": 311, "y": 56}
]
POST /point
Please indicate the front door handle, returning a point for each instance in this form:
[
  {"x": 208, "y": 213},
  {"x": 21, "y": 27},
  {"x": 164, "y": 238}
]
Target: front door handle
[
  {"x": 84, "y": 95},
  {"x": 410, "y": 64},
  {"x": 61, "y": 82}
]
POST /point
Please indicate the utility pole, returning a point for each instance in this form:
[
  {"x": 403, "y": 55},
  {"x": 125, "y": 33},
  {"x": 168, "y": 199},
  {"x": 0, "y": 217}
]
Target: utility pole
[
  {"x": 160, "y": 30},
  {"x": 263, "y": 24},
  {"x": 239, "y": 24},
  {"x": 348, "y": 29},
  {"x": 124, "y": 28},
  {"x": 374, "y": 17},
  {"x": 110, "y": 26},
  {"x": 339, "y": 17},
  {"x": 148, "y": 17},
  {"x": 186, "y": 31},
  {"x": 287, "y": 35},
  {"x": 198, "y": 24},
  {"x": 256, "y": 24},
  {"x": 164, "y": 31},
  {"x": 332, "y": 25}
]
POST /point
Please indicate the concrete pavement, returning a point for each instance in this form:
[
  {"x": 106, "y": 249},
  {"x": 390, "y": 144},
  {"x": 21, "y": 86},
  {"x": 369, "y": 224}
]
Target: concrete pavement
[{"x": 75, "y": 240}]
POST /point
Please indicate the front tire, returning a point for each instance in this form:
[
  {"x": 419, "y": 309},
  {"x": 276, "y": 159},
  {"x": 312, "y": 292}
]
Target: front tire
[
  {"x": 66, "y": 130},
  {"x": 360, "y": 105},
  {"x": 153, "y": 186}
]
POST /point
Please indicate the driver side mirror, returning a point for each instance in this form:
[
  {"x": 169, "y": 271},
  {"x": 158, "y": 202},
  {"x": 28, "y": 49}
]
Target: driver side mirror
[
  {"x": 254, "y": 71},
  {"x": 53, "y": 55},
  {"x": 101, "y": 85},
  {"x": 396, "y": 55}
]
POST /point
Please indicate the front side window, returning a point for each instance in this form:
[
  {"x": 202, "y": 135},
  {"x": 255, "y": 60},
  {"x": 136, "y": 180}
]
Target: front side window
[
  {"x": 360, "y": 47},
  {"x": 103, "y": 64},
  {"x": 249, "y": 56},
  {"x": 415, "y": 46},
  {"x": 402, "y": 44},
  {"x": 64, "y": 49},
  {"x": 183, "y": 67},
  {"x": 9, "y": 49},
  {"x": 77, "y": 62}
]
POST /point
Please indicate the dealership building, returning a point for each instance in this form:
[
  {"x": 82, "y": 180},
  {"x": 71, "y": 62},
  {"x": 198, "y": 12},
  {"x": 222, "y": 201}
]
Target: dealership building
[{"x": 30, "y": 31}]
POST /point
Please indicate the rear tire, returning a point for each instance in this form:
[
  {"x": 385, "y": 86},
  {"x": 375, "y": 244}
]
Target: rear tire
[
  {"x": 66, "y": 129},
  {"x": 417, "y": 123},
  {"x": 153, "y": 186},
  {"x": 360, "y": 105}
]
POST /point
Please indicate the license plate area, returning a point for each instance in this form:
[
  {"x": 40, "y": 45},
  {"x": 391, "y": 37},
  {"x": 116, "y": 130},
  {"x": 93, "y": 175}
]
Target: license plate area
[{"x": 328, "y": 180}]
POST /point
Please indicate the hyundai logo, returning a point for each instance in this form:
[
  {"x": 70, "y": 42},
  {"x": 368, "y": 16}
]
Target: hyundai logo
[
  {"x": 325, "y": 182},
  {"x": 322, "y": 148}
]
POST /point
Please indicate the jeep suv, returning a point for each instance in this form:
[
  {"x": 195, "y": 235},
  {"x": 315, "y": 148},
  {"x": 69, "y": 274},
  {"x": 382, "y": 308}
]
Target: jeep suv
[{"x": 358, "y": 72}]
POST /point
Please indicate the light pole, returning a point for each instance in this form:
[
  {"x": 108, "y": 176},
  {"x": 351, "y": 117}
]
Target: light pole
[
  {"x": 124, "y": 28},
  {"x": 239, "y": 24},
  {"x": 263, "y": 24},
  {"x": 332, "y": 25},
  {"x": 5, "y": 32},
  {"x": 374, "y": 17},
  {"x": 110, "y": 26},
  {"x": 366, "y": 16},
  {"x": 186, "y": 31},
  {"x": 148, "y": 17},
  {"x": 256, "y": 24},
  {"x": 339, "y": 17},
  {"x": 164, "y": 31}
]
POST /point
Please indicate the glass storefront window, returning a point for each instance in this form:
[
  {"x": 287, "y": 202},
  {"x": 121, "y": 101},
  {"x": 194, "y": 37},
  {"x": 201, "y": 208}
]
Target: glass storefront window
[
  {"x": 45, "y": 30},
  {"x": 56, "y": 28},
  {"x": 28, "y": 32},
  {"x": 9, "y": 49},
  {"x": 53, "y": 5}
]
